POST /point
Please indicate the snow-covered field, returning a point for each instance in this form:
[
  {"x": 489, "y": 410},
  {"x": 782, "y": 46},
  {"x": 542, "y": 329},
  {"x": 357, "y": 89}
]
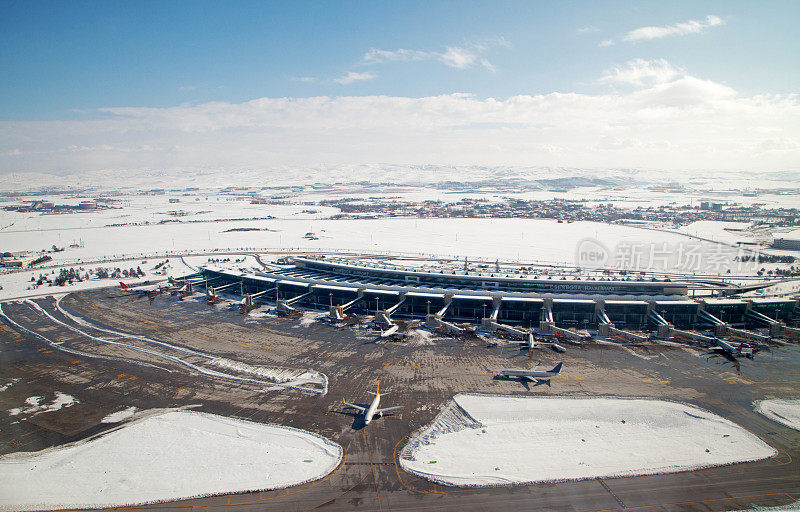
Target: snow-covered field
[
  {"x": 175, "y": 455},
  {"x": 37, "y": 405},
  {"x": 786, "y": 412},
  {"x": 486, "y": 440}
]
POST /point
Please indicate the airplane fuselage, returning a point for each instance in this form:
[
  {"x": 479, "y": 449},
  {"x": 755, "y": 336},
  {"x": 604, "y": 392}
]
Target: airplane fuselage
[
  {"x": 527, "y": 373},
  {"x": 370, "y": 412},
  {"x": 532, "y": 374}
]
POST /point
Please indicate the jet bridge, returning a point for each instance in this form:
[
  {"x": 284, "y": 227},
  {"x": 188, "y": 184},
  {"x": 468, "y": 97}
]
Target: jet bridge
[
  {"x": 212, "y": 290},
  {"x": 336, "y": 313},
  {"x": 491, "y": 323},
  {"x": 776, "y": 328},
  {"x": 285, "y": 306},
  {"x": 248, "y": 298},
  {"x": 384, "y": 317},
  {"x": 607, "y": 328},
  {"x": 722, "y": 329}
]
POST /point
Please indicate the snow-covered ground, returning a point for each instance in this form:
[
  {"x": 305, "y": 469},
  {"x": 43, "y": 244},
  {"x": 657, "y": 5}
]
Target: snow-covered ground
[
  {"x": 175, "y": 455},
  {"x": 116, "y": 417},
  {"x": 786, "y": 412},
  {"x": 35, "y": 405},
  {"x": 791, "y": 507},
  {"x": 485, "y": 440}
]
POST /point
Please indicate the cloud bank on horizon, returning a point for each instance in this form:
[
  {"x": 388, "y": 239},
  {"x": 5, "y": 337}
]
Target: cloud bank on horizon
[
  {"x": 528, "y": 87},
  {"x": 665, "y": 118}
]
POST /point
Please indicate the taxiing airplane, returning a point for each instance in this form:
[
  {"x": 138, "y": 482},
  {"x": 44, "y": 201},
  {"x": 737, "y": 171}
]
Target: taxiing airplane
[
  {"x": 372, "y": 410},
  {"x": 532, "y": 375}
]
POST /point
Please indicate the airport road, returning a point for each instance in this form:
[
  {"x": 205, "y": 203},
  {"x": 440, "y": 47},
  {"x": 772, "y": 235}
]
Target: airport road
[{"x": 421, "y": 374}]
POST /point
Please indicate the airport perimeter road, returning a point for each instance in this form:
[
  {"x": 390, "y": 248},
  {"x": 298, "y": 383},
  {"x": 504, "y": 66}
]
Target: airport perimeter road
[{"x": 421, "y": 375}]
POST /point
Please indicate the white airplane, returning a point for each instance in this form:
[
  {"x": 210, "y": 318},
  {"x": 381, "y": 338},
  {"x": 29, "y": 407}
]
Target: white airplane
[
  {"x": 146, "y": 289},
  {"x": 388, "y": 332},
  {"x": 372, "y": 410},
  {"x": 741, "y": 350},
  {"x": 531, "y": 375},
  {"x": 528, "y": 344}
]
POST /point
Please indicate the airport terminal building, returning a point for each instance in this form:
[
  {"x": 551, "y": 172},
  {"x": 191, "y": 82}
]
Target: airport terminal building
[{"x": 348, "y": 287}]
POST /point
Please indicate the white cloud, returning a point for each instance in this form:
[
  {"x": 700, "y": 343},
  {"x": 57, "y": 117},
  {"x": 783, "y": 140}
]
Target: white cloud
[
  {"x": 353, "y": 76},
  {"x": 678, "y": 29},
  {"x": 460, "y": 57},
  {"x": 606, "y": 42},
  {"x": 642, "y": 72},
  {"x": 304, "y": 79},
  {"x": 670, "y": 120}
]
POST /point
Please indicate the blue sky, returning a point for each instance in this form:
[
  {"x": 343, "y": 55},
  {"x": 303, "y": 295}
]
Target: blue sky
[
  {"x": 60, "y": 56},
  {"x": 232, "y": 85}
]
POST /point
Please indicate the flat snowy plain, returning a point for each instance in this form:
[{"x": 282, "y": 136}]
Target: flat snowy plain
[
  {"x": 174, "y": 455},
  {"x": 786, "y": 412},
  {"x": 484, "y": 440}
]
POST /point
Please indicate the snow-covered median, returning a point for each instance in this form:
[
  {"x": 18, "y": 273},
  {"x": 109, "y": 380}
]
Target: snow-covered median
[
  {"x": 175, "y": 455},
  {"x": 786, "y": 412},
  {"x": 485, "y": 440}
]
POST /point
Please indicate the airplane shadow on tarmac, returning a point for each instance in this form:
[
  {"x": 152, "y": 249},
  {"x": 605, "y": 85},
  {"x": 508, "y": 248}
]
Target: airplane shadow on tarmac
[{"x": 526, "y": 383}]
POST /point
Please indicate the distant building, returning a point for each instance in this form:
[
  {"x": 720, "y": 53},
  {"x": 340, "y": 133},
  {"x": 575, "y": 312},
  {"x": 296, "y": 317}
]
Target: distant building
[
  {"x": 714, "y": 207},
  {"x": 791, "y": 244},
  {"x": 174, "y": 200},
  {"x": 88, "y": 205},
  {"x": 20, "y": 260}
]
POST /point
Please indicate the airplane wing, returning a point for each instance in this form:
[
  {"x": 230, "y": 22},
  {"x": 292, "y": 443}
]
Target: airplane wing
[
  {"x": 354, "y": 406},
  {"x": 531, "y": 379},
  {"x": 387, "y": 409}
]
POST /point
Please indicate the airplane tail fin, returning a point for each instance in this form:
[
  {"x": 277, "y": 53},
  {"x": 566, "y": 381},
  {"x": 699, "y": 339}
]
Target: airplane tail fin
[
  {"x": 557, "y": 368},
  {"x": 124, "y": 286}
]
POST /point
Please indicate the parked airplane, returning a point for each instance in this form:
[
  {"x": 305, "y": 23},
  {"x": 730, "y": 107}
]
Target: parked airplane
[
  {"x": 144, "y": 290},
  {"x": 532, "y": 375},
  {"x": 741, "y": 350},
  {"x": 528, "y": 344},
  {"x": 390, "y": 331},
  {"x": 372, "y": 410}
]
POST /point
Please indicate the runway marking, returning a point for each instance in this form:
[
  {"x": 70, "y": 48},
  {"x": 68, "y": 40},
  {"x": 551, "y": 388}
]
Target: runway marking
[
  {"x": 339, "y": 495},
  {"x": 372, "y": 468}
]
